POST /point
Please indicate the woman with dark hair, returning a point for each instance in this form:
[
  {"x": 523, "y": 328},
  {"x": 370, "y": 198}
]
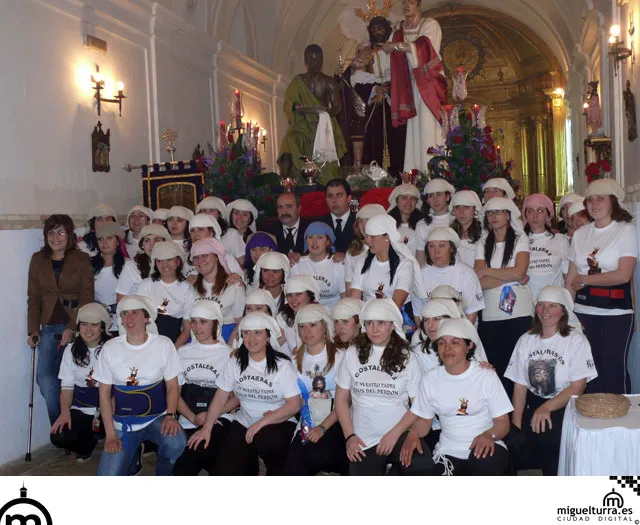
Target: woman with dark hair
[
  {"x": 212, "y": 283},
  {"x": 550, "y": 363},
  {"x": 564, "y": 224},
  {"x": 107, "y": 266},
  {"x": 99, "y": 215},
  {"x": 549, "y": 259},
  {"x": 318, "y": 263},
  {"x": 60, "y": 281},
  {"x": 404, "y": 206},
  {"x": 467, "y": 208},
  {"x": 578, "y": 216},
  {"x": 602, "y": 260},
  {"x": 317, "y": 445},
  {"x": 300, "y": 291},
  {"x": 502, "y": 261},
  {"x": 380, "y": 375},
  {"x": 438, "y": 193},
  {"x": 265, "y": 382},
  {"x": 271, "y": 273},
  {"x": 346, "y": 322},
  {"x": 470, "y": 403},
  {"x": 78, "y": 427},
  {"x": 202, "y": 363},
  {"x": 160, "y": 217},
  {"x": 497, "y": 187},
  {"x": 258, "y": 244},
  {"x": 242, "y": 218},
  {"x": 134, "y": 271},
  {"x": 137, "y": 219},
  {"x": 169, "y": 291},
  {"x": 231, "y": 238},
  {"x": 178, "y": 219}
]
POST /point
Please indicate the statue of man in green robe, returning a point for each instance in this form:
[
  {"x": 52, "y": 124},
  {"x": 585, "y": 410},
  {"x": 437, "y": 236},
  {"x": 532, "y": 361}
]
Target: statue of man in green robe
[{"x": 309, "y": 94}]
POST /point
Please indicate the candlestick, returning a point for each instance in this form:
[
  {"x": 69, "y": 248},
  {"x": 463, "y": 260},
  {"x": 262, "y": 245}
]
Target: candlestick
[
  {"x": 222, "y": 136},
  {"x": 238, "y": 104}
]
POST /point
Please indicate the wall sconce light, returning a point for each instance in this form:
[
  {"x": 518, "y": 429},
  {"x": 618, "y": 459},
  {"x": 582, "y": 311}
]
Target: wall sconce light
[
  {"x": 263, "y": 140},
  {"x": 98, "y": 85},
  {"x": 616, "y": 50}
]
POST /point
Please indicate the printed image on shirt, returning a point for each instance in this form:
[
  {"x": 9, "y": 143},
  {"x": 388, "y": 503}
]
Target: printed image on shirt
[
  {"x": 594, "y": 266},
  {"x": 131, "y": 380},
  {"x": 89, "y": 380},
  {"x": 542, "y": 376},
  {"x": 462, "y": 411},
  {"x": 318, "y": 384},
  {"x": 162, "y": 309},
  {"x": 379, "y": 292}
]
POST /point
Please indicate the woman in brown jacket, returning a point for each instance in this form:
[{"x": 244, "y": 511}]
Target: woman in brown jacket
[{"x": 60, "y": 281}]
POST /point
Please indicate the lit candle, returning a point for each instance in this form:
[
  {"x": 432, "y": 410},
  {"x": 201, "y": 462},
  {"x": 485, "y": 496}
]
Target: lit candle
[
  {"x": 238, "y": 104},
  {"x": 248, "y": 130},
  {"x": 223, "y": 128},
  {"x": 476, "y": 109}
]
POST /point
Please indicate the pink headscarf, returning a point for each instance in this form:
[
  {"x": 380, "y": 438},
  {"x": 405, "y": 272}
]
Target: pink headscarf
[
  {"x": 210, "y": 245},
  {"x": 538, "y": 200}
]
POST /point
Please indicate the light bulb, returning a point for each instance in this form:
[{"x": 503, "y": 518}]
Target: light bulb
[
  {"x": 585, "y": 105},
  {"x": 97, "y": 76},
  {"x": 614, "y": 30},
  {"x": 120, "y": 86},
  {"x": 612, "y": 39}
]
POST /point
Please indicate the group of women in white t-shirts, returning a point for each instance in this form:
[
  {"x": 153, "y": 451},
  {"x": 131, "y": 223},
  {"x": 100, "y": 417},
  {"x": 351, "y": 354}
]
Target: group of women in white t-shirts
[{"x": 450, "y": 332}]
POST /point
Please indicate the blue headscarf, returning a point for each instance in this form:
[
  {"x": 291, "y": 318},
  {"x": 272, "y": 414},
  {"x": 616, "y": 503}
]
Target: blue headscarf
[
  {"x": 257, "y": 240},
  {"x": 319, "y": 228}
]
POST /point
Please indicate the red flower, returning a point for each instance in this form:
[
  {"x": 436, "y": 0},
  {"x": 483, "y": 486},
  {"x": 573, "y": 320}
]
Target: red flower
[
  {"x": 592, "y": 170},
  {"x": 233, "y": 155},
  {"x": 249, "y": 175},
  {"x": 468, "y": 161},
  {"x": 469, "y": 117},
  {"x": 230, "y": 138},
  {"x": 605, "y": 165},
  {"x": 484, "y": 177},
  {"x": 465, "y": 187},
  {"x": 448, "y": 173},
  {"x": 488, "y": 130},
  {"x": 431, "y": 150},
  {"x": 223, "y": 169},
  {"x": 414, "y": 172},
  {"x": 229, "y": 185},
  {"x": 457, "y": 139}
]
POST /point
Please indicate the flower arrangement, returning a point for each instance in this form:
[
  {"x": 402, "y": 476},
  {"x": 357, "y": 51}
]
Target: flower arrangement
[
  {"x": 598, "y": 170},
  {"x": 469, "y": 157},
  {"x": 234, "y": 172}
]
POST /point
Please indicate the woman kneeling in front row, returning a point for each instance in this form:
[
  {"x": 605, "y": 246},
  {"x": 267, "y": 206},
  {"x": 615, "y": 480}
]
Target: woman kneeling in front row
[{"x": 471, "y": 405}]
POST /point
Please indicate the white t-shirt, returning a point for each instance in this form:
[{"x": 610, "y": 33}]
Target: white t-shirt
[
  {"x": 202, "y": 365},
  {"x": 72, "y": 375},
  {"x": 429, "y": 360},
  {"x": 231, "y": 301},
  {"x": 466, "y": 405},
  {"x": 605, "y": 246},
  {"x": 423, "y": 229},
  {"x": 105, "y": 284},
  {"x": 548, "y": 261},
  {"x": 459, "y": 276},
  {"x": 257, "y": 390},
  {"x": 328, "y": 274},
  {"x": 83, "y": 247},
  {"x": 129, "y": 280},
  {"x": 122, "y": 363},
  {"x": 524, "y": 304},
  {"x": 351, "y": 263},
  {"x": 374, "y": 284},
  {"x": 289, "y": 333},
  {"x": 233, "y": 243},
  {"x": 467, "y": 252},
  {"x": 547, "y": 366},
  {"x": 133, "y": 247},
  {"x": 379, "y": 399},
  {"x": 176, "y": 298},
  {"x": 408, "y": 237}
]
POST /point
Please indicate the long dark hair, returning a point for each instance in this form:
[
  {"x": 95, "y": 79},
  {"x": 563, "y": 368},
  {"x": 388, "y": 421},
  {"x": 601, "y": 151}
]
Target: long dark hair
[
  {"x": 490, "y": 243},
  {"x": 395, "y": 355},
  {"x": 413, "y": 218},
  {"x": 282, "y": 295},
  {"x": 155, "y": 275},
  {"x": 474, "y": 230},
  {"x": 143, "y": 262},
  {"x": 246, "y": 234},
  {"x": 618, "y": 213},
  {"x": 273, "y": 356},
  {"x": 394, "y": 261},
  {"x": 527, "y": 229},
  {"x": 79, "y": 350},
  {"x": 287, "y": 312},
  {"x": 428, "y": 218},
  {"x": 452, "y": 254},
  {"x": 54, "y": 221},
  {"x": 563, "y": 327},
  {"x": 97, "y": 261},
  {"x": 339, "y": 344},
  {"x": 219, "y": 284}
]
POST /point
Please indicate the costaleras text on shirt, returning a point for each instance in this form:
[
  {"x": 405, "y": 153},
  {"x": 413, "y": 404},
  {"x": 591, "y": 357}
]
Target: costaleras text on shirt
[
  {"x": 204, "y": 366},
  {"x": 375, "y": 368},
  {"x": 383, "y": 389},
  {"x": 255, "y": 378},
  {"x": 546, "y": 351}
]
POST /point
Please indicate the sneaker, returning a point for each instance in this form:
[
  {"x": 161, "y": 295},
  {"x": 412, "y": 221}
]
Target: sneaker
[{"x": 84, "y": 458}]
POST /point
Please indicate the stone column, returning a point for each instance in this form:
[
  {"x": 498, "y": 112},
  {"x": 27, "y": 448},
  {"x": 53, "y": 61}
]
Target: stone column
[{"x": 559, "y": 120}]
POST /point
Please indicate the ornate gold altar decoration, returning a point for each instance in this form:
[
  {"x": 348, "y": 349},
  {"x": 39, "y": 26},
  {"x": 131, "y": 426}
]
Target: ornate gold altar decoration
[
  {"x": 462, "y": 49},
  {"x": 372, "y": 10}
]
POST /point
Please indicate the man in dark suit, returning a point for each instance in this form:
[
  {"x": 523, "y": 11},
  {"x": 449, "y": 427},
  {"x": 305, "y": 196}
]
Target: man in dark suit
[
  {"x": 341, "y": 218},
  {"x": 290, "y": 232}
]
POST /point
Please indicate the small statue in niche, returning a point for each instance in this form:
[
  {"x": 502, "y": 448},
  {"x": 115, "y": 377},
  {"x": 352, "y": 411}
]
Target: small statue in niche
[
  {"x": 100, "y": 148},
  {"x": 594, "y": 112},
  {"x": 630, "y": 111}
]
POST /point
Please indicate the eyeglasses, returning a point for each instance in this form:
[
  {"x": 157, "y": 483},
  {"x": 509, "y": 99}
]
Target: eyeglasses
[
  {"x": 492, "y": 213},
  {"x": 539, "y": 211},
  {"x": 57, "y": 233}
]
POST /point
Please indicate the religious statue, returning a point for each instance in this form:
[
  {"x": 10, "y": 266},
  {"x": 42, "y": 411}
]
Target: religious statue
[
  {"x": 373, "y": 137},
  {"x": 311, "y": 104},
  {"x": 418, "y": 87},
  {"x": 630, "y": 111},
  {"x": 594, "y": 113}
]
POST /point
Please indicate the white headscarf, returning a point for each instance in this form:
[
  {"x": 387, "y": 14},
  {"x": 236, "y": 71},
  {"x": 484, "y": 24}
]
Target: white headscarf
[
  {"x": 302, "y": 283},
  {"x": 143, "y": 209},
  {"x": 464, "y": 329},
  {"x": 213, "y": 203},
  {"x": 166, "y": 250},
  {"x": 109, "y": 229},
  {"x": 94, "y": 313},
  {"x": 502, "y": 203},
  {"x": 102, "y": 210},
  {"x": 467, "y": 198},
  {"x": 311, "y": 313},
  {"x": 263, "y": 297},
  {"x": 444, "y": 233},
  {"x": 271, "y": 261},
  {"x": 157, "y": 230},
  {"x": 260, "y": 321},
  {"x": 576, "y": 207},
  {"x": 202, "y": 220},
  {"x": 560, "y": 295},
  {"x": 404, "y": 189},
  {"x": 501, "y": 184},
  {"x": 206, "y": 309},
  {"x": 160, "y": 213},
  {"x": 385, "y": 224},
  {"x": 347, "y": 308},
  {"x": 606, "y": 187},
  {"x": 370, "y": 210},
  {"x": 569, "y": 198},
  {"x": 180, "y": 211},
  {"x": 137, "y": 302},
  {"x": 382, "y": 310},
  {"x": 436, "y": 185},
  {"x": 243, "y": 205},
  {"x": 441, "y": 308}
]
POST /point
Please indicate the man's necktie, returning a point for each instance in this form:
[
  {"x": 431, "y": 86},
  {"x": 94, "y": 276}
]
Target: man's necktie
[
  {"x": 338, "y": 227},
  {"x": 288, "y": 239}
]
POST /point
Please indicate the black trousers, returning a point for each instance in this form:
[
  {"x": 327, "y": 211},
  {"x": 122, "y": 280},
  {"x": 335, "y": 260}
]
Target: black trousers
[
  {"x": 239, "y": 458},
  {"x": 374, "y": 465},
  {"x": 193, "y": 461},
  {"x": 541, "y": 451},
  {"x": 327, "y": 455},
  {"x": 496, "y": 465},
  {"x": 499, "y": 339},
  {"x": 609, "y": 337},
  {"x": 80, "y": 438}
]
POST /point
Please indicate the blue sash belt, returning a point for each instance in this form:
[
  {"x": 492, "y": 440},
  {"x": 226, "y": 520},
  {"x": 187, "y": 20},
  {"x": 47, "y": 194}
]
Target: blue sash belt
[
  {"x": 86, "y": 397},
  {"x": 136, "y": 405},
  {"x": 227, "y": 330}
]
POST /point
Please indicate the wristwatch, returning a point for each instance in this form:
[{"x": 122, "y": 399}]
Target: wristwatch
[{"x": 171, "y": 414}]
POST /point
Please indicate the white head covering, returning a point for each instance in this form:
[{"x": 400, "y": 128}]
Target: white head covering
[
  {"x": 382, "y": 310},
  {"x": 166, "y": 250},
  {"x": 467, "y": 198},
  {"x": 444, "y": 233},
  {"x": 370, "y": 210},
  {"x": 143, "y": 209},
  {"x": 569, "y": 198},
  {"x": 302, "y": 283},
  {"x": 404, "y": 189},
  {"x": 385, "y": 224},
  {"x": 502, "y": 203},
  {"x": 441, "y": 308},
  {"x": 206, "y": 309},
  {"x": 260, "y": 296},
  {"x": 102, "y": 210},
  {"x": 157, "y": 230},
  {"x": 560, "y": 295},
  {"x": 347, "y": 308},
  {"x": 180, "y": 211},
  {"x": 501, "y": 184},
  {"x": 243, "y": 205},
  {"x": 271, "y": 261},
  {"x": 109, "y": 229},
  {"x": 261, "y": 321},
  {"x": 445, "y": 291},
  {"x": 202, "y": 220},
  {"x": 137, "y": 302},
  {"x": 160, "y": 213},
  {"x": 605, "y": 187},
  {"x": 311, "y": 313},
  {"x": 464, "y": 329},
  {"x": 576, "y": 207},
  {"x": 436, "y": 185},
  {"x": 213, "y": 203},
  {"x": 94, "y": 313}
]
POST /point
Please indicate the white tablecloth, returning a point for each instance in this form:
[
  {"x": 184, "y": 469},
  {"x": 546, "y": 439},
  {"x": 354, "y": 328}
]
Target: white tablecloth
[{"x": 600, "y": 447}]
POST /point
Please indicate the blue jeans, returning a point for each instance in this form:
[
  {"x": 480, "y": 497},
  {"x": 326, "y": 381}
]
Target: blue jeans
[
  {"x": 48, "y": 367},
  {"x": 169, "y": 450}
]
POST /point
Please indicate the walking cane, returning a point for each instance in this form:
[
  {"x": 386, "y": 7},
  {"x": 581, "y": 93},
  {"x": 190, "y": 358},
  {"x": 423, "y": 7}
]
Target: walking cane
[{"x": 33, "y": 370}]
